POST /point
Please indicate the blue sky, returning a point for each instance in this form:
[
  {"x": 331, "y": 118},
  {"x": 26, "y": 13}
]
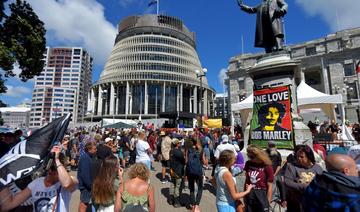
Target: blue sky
[{"x": 219, "y": 26}]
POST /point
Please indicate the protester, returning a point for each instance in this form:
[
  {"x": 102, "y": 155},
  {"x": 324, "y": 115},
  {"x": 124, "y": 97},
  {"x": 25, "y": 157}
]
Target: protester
[
  {"x": 106, "y": 184},
  {"x": 274, "y": 156},
  {"x": 226, "y": 192},
  {"x": 49, "y": 193},
  {"x": 143, "y": 150},
  {"x": 259, "y": 173},
  {"x": 86, "y": 174},
  {"x": 136, "y": 194},
  {"x": 177, "y": 164},
  {"x": 354, "y": 153},
  {"x": 104, "y": 150},
  {"x": 165, "y": 153},
  {"x": 338, "y": 189},
  {"x": 194, "y": 164},
  {"x": 298, "y": 176}
]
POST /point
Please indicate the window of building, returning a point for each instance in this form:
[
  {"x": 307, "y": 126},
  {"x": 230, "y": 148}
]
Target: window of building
[
  {"x": 241, "y": 84},
  {"x": 351, "y": 91},
  {"x": 77, "y": 51},
  {"x": 349, "y": 69},
  {"x": 310, "y": 51}
]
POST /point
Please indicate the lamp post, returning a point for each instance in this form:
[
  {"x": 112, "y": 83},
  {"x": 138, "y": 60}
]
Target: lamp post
[{"x": 200, "y": 76}]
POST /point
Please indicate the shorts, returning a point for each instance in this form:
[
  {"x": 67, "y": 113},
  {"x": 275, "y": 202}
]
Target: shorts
[
  {"x": 226, "y": 207},
  {"x": 126, "y": 154},
  {"x": 165, "y": 163},
  {"x": 85, "y": 196},
  {"x": 207, "y": 153}
]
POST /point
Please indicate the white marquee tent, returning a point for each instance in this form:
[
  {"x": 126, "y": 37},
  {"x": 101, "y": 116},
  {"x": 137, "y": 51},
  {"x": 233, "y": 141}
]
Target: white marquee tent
[{"x": 307, "y": 98}]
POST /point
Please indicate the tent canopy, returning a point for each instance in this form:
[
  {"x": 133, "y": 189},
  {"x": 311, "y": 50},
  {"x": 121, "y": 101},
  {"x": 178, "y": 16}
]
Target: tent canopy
[
  {"x": 307, "y": 98},
  {"x": 119, "y": 125}
]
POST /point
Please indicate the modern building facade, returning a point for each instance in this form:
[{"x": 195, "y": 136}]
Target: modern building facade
[
  {"x": 221, "y": 105},
  {"x": 63, "y": 85},
  {"x": 327, "y": 64},
  {"x": 16, "y": 117},
  {"x": 151, "y": 73}
]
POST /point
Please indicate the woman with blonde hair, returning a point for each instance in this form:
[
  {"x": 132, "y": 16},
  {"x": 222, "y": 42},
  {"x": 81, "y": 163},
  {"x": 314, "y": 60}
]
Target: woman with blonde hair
[
  {"x": 106, "y": 184},
  {"x": 259, "y": 173},
  {"x": 136, "y": 194},
  {"x": 227, "y": 196}
]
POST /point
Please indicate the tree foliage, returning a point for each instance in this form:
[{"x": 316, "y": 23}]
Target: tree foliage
[{"x": 22, "y": 41}]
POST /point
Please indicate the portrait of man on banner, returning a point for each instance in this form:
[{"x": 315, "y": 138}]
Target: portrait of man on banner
[{"x": 272, "y": 118}]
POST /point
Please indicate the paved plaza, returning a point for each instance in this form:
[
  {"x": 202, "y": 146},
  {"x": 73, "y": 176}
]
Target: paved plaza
[{"x": 162, "y": 192}]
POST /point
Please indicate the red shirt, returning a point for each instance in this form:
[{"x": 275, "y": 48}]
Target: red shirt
[{"x": 258, "y": 175}]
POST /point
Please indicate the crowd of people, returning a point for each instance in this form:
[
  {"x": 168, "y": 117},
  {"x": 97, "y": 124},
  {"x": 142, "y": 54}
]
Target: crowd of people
[{"x": 114, "y": 168}]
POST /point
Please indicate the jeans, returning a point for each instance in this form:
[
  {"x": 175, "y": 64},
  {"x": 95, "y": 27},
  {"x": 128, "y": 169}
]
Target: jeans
[{"x": 199, "y": 181}]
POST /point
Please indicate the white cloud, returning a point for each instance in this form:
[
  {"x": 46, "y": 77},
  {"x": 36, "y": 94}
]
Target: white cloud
[
  {"x": 26, "y": 100},
  {"x": 337, "y": 14},
  {"x": 78, "y": 23},
  {"x": 222, "y": 76},
  {"x": 17, "y": 91}
]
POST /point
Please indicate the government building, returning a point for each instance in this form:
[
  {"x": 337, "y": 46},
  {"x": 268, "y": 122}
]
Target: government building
[
  {"x": 327, "y": 64},
  {"x": 153, "y": 72}
]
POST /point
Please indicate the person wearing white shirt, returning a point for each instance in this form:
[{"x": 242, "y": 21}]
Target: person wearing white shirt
[
  {"x": 143, "y": 150},
  {"x": 225, "y": 145}
]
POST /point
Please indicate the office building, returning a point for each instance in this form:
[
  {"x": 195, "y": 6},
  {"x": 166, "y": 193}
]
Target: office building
[{"x": 63, "y": 85}]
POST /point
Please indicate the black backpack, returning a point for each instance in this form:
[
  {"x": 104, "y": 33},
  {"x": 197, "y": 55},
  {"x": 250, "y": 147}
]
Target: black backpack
[{"x": 194, "y": 165}]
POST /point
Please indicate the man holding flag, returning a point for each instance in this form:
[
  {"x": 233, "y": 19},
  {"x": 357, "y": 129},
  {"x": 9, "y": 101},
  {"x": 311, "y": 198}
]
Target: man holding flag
[{"x": 49, "y": 193}]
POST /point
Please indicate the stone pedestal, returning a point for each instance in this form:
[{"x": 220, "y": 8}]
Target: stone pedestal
[{"x": 274, "y": 70}]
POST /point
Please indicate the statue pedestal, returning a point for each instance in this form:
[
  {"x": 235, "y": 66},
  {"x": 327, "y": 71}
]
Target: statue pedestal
[{"x": 274, "y": 70}]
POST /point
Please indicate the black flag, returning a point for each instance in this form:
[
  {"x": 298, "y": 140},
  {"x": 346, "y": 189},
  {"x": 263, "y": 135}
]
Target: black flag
[{"x": 26, "y": 156}]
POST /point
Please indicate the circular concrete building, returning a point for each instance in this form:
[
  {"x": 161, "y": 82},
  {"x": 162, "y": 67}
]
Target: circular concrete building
[{"x": 153, "y": 70}]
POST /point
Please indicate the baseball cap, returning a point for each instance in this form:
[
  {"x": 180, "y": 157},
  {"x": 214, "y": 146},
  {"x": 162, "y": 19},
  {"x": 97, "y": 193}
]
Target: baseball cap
[
  {"x": 108, "y": 139},
  {"x": 225, "y": 138},
  {"x": 175, "y": 141}
]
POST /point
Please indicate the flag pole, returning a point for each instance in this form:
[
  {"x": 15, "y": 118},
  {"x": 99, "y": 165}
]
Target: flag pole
[{"x": 157, "y": 7}]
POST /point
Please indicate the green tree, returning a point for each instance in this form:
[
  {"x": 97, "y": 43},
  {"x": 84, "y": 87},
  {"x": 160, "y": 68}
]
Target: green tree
[{"x": 22, "y": 41}]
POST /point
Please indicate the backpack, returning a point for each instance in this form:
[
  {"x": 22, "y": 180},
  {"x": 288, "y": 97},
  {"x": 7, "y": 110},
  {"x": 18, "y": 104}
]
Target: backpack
[{"x": 194, "y": 166}]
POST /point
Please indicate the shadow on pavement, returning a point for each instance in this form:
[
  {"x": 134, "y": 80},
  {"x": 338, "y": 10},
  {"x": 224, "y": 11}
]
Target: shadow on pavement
[
  {"x": 184, "y": 198},
  {"x": 210, "y": 188}
]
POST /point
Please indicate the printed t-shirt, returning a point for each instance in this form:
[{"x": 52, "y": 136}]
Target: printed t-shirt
[
  {"x": 44, "y": 197},
  {"x": 258, "y": 175}
]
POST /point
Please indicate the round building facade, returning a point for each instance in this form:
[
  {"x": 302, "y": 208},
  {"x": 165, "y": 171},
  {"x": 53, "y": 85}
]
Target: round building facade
[{"x": 153, "y": 71}]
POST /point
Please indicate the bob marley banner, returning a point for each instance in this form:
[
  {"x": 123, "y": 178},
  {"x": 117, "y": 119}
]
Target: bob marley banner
[{"x": 271, "y": 120}]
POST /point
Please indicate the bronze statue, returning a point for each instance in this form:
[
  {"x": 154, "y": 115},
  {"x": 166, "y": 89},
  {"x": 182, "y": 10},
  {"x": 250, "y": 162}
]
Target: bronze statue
[{"x": 269, "y": 27}]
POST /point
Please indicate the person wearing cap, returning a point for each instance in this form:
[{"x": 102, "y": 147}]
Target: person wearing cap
[
  {"x": 274, "y": 156},
  {"x": 104, "y": 150},
  {"x": 177, "y": 164},
  {"x": 223, "y": 146}
]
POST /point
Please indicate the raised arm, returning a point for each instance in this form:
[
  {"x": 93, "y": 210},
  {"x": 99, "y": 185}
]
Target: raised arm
[
  {"x": 246, "y": 8},
  {"x": 68, "y": 182},
  {"x": 8, "y": 201}
]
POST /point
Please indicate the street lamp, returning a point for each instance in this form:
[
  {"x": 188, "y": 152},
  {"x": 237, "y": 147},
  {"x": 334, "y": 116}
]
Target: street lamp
[{"x": 200, "y": 76}]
